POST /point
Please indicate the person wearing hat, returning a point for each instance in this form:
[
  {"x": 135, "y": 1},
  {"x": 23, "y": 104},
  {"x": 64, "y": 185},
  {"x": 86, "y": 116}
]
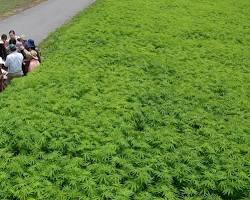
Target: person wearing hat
[
  {"x": 14, "y": 63},
  {"x": 34, "y": 62},
  {"x": 31, "y": 46},
  {"x": 26, "y": 51},
  {"x": 11, "y": 41}
]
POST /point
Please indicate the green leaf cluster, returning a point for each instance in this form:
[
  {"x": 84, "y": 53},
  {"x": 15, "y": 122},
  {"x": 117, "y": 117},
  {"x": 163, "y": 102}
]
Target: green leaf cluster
[{"x": 136, "y": 99}]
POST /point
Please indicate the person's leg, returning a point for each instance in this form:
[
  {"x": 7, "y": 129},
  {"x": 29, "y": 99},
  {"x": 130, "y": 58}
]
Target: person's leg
[
  {"x": 12, "y": 76},
  {"x": 23, "y": 68},
  {"x": 1, "y": 82},
  {"x": 27, "y": 64},
  {"x": 9, "y": 79}
]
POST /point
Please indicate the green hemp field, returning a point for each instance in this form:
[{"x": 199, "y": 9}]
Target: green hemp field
[{"x": 135, "y": 100}]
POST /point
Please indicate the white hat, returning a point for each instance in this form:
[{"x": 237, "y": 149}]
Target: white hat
[
  {"x": 1, "y": 61},
  {"x": 23, "y": 37}
]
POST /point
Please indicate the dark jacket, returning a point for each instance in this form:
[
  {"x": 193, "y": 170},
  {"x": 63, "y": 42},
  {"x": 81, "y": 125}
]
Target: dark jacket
[{"x": 3, "y": 51}]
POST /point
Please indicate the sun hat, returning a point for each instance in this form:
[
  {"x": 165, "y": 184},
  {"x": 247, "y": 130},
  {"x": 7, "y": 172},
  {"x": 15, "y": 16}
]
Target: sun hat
[
  {"x": 1, "y": 61},
  {"x": 33, "y": 54},
  {"x": 23, "y": 37},
  {"x": 31, "y": 43}
]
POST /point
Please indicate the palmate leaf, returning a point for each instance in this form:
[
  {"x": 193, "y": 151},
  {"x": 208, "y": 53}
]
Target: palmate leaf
[
  {"x": 189, "y": 191},
  {"x": 107, "y": 194},
  {"x": 123, "y": 193},
  {"x": 155, "y": 109},
  {"x": 144, "y": 195},
  {"x": 144, "y": 177},
  {"x": 213, "y": 196},
  {"x": 89, "y": 187},
  {"x": 132, "y": 185},
  {"x": 102, "y": 179},
  {"x": 115, "y": 179}
]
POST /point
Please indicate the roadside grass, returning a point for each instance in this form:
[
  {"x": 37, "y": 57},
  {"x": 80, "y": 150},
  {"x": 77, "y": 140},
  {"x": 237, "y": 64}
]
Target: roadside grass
[
  {"x": 10, "y": 7},
  {"x": 136, "y": 99}
]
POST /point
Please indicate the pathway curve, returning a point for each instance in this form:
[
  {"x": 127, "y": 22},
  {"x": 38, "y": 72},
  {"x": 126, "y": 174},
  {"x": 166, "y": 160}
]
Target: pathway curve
[{"x": 38, "y": 22}]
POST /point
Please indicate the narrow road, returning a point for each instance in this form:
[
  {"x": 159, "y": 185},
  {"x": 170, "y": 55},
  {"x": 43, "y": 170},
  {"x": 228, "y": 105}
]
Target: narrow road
[{"x": 38, "y": 22}]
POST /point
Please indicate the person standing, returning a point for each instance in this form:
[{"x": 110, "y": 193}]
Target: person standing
[
  {"x": 14, "y": 63},
  {"x": 12, "y": 35}
]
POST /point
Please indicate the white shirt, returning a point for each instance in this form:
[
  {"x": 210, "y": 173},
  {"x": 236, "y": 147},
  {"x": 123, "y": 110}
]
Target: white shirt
[
  {"x": 4, "y": 74},
  {"x": 14, "y": 62}
]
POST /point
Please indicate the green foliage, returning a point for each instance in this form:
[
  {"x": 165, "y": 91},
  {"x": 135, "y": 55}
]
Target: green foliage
[
  {"x": 136, "y": 99},
  {"x": 11, "y": 7}
]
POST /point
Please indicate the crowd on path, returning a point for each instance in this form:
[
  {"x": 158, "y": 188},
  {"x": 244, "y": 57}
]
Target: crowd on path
[{"x": 18, "y": 56}]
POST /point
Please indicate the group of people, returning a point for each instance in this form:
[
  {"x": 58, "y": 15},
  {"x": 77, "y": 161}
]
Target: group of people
[{"x": 18, "y": 56}]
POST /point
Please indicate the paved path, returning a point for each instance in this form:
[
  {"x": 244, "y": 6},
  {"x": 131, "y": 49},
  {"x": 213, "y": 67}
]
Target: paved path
[{"x": 39, "y": 21}]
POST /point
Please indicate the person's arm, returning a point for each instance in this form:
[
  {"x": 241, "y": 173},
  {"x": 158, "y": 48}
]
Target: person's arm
[
  {"x": 38, "y": 54},
  {"x": 7, "y": 62},
  {"x": 3, "y": 52},
  {"x": 25, "y": 53}
]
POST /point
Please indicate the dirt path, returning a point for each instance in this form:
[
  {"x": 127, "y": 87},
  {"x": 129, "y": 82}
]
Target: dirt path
[{"x": 39, "y": 21}]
